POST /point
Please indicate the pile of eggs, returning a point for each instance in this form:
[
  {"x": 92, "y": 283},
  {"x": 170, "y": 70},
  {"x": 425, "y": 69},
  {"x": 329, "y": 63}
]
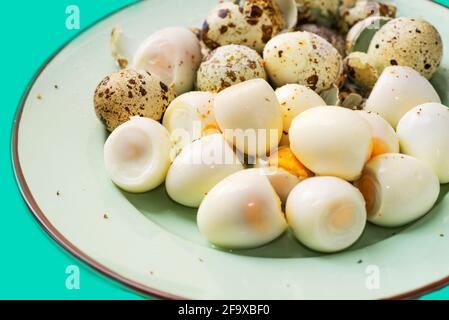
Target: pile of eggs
[{"x": 265, "y": 128}]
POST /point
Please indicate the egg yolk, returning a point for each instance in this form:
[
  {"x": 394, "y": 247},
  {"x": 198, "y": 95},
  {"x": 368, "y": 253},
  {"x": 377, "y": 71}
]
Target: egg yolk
[
  {"x": 285, "y": 159},
  {"x": 211, "y": 128},
  {"x": 379, "y": 147},
  {"x": 368, "y": 190}
]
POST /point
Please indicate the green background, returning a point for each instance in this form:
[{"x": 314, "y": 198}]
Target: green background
[{"x": 32, "y": 266}]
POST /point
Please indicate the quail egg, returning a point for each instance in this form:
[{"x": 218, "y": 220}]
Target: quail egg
[
  {"x": 326, "y": 214},
  {"x": 362, "y": 10},
  {"x": 424, "y": 134},
  {"x": 398, "y": 189},
  {"x": 250, "y": 117},
  {"x": 128, "y": 93},
  {"x": 242, "y": 211},
  {"x": 137, "y": 155},
  {"x": 407, "y": 42},
  {"x": 174, "y": 54},
  {"x": 398, "y": 90},
  {"x": 385, "y": 139},
  {"x": 199, "y": 167},
  {"x": 295, "y": 99},
  {"x": 284, "y": 171},
  {"x": 253, "y": 24},
  {"x": 329, "y": 34},
  {"x": 189, "y": 117},
  {"x": 303, "y": 58},
  {"x": 229, "y": 65},
  {"x": 332, "y": 141}
]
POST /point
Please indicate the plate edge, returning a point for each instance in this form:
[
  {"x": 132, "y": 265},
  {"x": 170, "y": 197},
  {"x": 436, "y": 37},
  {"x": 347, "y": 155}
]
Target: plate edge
[{"x": 76, "y": 252}]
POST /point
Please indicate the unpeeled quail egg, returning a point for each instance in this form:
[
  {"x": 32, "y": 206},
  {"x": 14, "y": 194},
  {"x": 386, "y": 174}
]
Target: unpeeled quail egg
[
  {"x": 229, "y": 65},
  {"x": 129, "y": 93},
  {"x": 332, "y": 141},
  {"x": 398, "y": 189},
  {"x": 252, "y": 24},
  {"x": 407, "y": 42},
  {"x": 250, "y": 117},
  {"x": 362, "y": 10},
  {"x": 174, "y": 54},
  {"x": 385, "y": 139},
  {"x": 199, "y": 167},
  {"x": 398, "y": 90},
  {"x": 284, "y": 171},
  {"x": 242, "y": 211},
  {"x": 189, "y": 117},
  {"x": 303, "y": 58},
  {"x": 424, "y": 134},
  {"x": 326, "y": 214},
  {"x": 137, "y": 155}
]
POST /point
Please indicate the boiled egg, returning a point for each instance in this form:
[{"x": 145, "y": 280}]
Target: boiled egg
[
  {"x": 174, "y": 54},
  {"x": 295, "y": 99},
  {"x": 137, "y": 155},
  {"x": 398, "y": 189},
  {"x": 199, "y": 167},
  {"x": 284, "y": 171},
  {"x": 331, "y": 141},
  {"x": 249, "y": 116},
  {"x": 189, "y": 117},
  {"x": 424, "y": 134},
  {"x": 242, "y": 211},
  {"x": 385, "y": 139},
  {"x": 398, "y": 90},
  {"x": 326, "y": 214}
]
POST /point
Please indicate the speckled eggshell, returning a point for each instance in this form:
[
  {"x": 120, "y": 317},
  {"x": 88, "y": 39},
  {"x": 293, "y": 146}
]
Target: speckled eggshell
[
  {"x": 229, "y": 65},
  {"x": 128, "y": 93},
  {"x": 303, "y": 58},
  {"x": 407, "y": 42},
  {"x": 252, "y": 24}
]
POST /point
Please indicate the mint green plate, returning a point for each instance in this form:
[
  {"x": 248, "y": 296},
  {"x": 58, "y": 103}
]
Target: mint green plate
[{"x": 152, "y": 244}]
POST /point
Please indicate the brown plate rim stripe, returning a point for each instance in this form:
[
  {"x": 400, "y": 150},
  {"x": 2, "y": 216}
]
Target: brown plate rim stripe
[{"x": 76, "y": 252}]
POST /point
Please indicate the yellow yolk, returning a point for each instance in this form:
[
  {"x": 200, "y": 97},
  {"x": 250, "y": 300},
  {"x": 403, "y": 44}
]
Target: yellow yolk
[
  {"x": 285, "y": 159},
  {"x": 210, "y": 129},
  {"x": 368, "y": 190},
  {"x": 379, "y": 147}
]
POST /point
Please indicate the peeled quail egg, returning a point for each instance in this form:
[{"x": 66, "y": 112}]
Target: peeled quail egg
[
  {"x": 137, "y": 155},
  {"x": 242, "y": 211},
  {"x": 250, "y": 117},
  {"x": 407, "y": 42},
  {"x": 252, "y": 24},
  {"x": 326, "y": 214},
  {"x": 229, "y": 65},
  {"x": 284, "y": 171},
  {"x": 189, "y": 117},
  {"x": 398, "y": 189},
  {"x": 424, "y": 134},
  {"x": 295, "y": 99},
  {"x": 128, "y": 93},
  {"x": 331, "y": 141},
  {"x": 303, "y": 58},
  {"x": 364, "y": 9},
  {"x": 398, "y": 90},
  {"x": 174, "y": 54},
  {"x": 385, "y": 139},
  {"x": 199, "y": 167}
]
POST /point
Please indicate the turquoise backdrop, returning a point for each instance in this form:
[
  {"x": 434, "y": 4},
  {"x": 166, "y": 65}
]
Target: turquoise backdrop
[{"x": 32, "y": 266}]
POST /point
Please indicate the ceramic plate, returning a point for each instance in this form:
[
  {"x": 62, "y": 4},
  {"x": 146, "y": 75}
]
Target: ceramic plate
[{"x": 152, "y": 244}]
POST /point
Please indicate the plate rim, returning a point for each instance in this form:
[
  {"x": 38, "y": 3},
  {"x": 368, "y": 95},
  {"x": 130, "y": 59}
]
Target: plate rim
[{"x": 73, "y": 250}]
